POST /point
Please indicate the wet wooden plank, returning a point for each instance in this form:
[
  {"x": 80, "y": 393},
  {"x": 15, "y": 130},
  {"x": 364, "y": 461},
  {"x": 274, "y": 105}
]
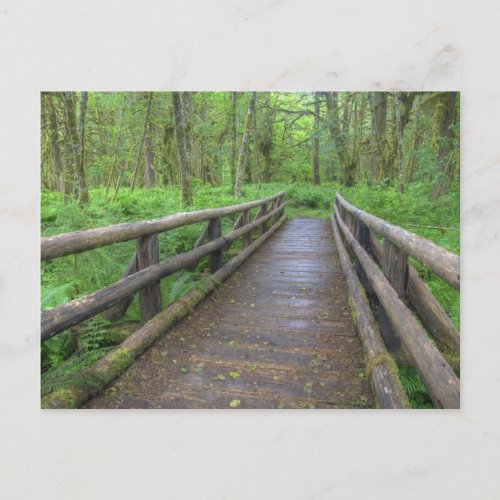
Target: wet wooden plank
[{"x": 295, "y": 347}]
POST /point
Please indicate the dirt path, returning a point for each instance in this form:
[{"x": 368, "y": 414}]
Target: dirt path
[{"x": 278, "y": 334}]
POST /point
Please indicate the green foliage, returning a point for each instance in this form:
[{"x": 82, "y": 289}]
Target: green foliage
[
  {"x": 68, "y": 372},
  {"x": 414, "y": 387}
]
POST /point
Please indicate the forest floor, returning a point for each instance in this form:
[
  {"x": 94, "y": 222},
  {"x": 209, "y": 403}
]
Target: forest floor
[{"x": 69, "y": 277}]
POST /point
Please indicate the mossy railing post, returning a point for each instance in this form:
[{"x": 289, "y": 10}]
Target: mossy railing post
[
  {"x": 394, "y": 267},
  {"x": 263, "y": 211},
  {"x": 214, "y": 232},
  {"x": 148, "y": 254},
  {"x": 363, "y": 236},
  {"x": 245, "y": 219},
  {"x": 117, "y": 312}
]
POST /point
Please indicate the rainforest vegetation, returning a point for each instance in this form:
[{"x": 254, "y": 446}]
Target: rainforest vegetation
[{"x": 112, "y": 157}]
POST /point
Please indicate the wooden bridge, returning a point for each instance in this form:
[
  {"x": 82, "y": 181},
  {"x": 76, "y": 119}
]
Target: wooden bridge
[{"x": 310, "y": 314}]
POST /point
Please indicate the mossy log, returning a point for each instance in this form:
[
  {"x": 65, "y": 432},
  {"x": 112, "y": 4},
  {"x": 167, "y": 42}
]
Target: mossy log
[
  {"x": 81, "y": 241},
  {"x": 62, "y": 317},
  {"x": 429, "y": 310},
  {"x": 382, "y": 368},
  {"x": 117, "y": 361},
  {"x": 443, "y": 263},
  {"x": 437, "y": 375}
]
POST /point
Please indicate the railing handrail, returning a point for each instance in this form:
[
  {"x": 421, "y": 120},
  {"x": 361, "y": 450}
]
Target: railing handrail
[
  {"x": 61, "y": 317},
  {"x": 442, "y": 262},
  {"x": 74, "y": 242}
]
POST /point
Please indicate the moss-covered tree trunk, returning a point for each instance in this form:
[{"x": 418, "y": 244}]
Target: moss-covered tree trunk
[
  {"x": 54, "y": 138},
  {"x": 182, "y": 149},
  {"x": 242, "y": 158},
  {"x": 76, "y": 133},
  {"x": 149, "y": 170},
  {"x": 315, "y": 150},
  {"x": 443, "y": 135}
]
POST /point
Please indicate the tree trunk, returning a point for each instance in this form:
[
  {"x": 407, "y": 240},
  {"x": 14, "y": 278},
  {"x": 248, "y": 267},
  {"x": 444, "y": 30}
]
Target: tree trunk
[
  {"x": 444, "y": 118},
  {"x": 139, "y": 154},
  {"x": 149, "y": 172},
  {"x": 332, "y": 113},
  {"x": 182, "y": 149},
  {"x": 315, "y": 151},
  {"x": 234, "y": 96},
  {"x": 240, "y": 169},
  {"x": 77, "y": 137},
  {"x": 56, "y": 150},
  {"x": 118, "y": 142},
  {"x": 378, "y": 109},
  {"x": 83, "y": 190},
  {"x": 399, "y": 140}
]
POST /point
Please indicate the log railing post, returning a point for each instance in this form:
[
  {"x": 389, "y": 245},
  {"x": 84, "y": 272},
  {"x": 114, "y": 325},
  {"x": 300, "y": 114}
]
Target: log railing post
[
  {"x": 264, "y": 212},
  {"x": 214, "y": 232},
  {"x": 395, "y": 269},
  {"x": 117, "y": 312},
  {"x": 148, "y": 254},
  {"x": 363, "y": 237},
  {"x": 245, "y": 219}
]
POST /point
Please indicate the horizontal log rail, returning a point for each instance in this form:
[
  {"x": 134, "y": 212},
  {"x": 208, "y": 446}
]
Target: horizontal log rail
[
  {"x": 443, "y": 263},
  {"x": 382, "y": 367},
  {"x": 396, "y": 283},
  {"x": 437, "y": 375},
  {"x": 66, "y": 315},
  {"x": 81, "y": 241},
  {"x": 428, "y": 308},
  {"x": 97, "y": 376}
]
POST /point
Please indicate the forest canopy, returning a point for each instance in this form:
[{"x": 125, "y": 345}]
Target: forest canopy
[{"x": 133, "y": 140}]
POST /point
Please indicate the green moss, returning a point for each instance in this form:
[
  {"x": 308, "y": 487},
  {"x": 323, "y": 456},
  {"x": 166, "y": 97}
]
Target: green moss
[
  {"x": 383, "y": 358},
  {"x": 61, "y": 398},
  {"x": 115, "y": 363},
  {"x": 354, "y": 311},
  {"x": 386, "y": 359}
]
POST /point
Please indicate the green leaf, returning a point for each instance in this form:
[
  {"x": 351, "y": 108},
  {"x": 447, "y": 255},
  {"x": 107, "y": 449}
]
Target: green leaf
[
  {"x": 184, "y": 370},
  {"x": 234, "y": 374},
  {"x": 253, "y": 367},
  {"x": 235, "y": 403}
]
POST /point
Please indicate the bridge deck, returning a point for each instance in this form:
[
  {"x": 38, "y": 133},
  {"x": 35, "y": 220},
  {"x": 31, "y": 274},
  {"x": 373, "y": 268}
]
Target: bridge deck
[{"x": 278, "y": 334}]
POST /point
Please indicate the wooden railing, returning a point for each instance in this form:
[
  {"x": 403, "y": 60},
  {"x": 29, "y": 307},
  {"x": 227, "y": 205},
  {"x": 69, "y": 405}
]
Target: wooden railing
[
  {"x": 143, "y": 275},
  {"x": 397, "y": 286},
  {"x": 144, "y": 270}
]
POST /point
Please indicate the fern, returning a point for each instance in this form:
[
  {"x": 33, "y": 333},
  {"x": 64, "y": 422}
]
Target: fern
[
  {"x": 68, "y": 372},
  {"x": 414, "y": 388}
]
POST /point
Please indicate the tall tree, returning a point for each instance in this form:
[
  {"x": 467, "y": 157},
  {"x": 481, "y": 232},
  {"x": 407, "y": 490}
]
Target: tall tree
[
  {"x": 265, "y": 135},
  {"x": 399, "y": 140},
  {"x": 143, "y": 136},
  {"x": 54, "y": 137},
  {"x": 315, "y": 149},
  {"x": 242, "y": 158},
  {"x": 149, "y": 170},
  {"x": 77, "y": 135},
  {"x": 443, "y": 135},
  {"x": 118, "y": 143},
  {"x": 182, "y": 147},
  {"x": 234, "y": 146},
  {"x": 378, "y": 110}
]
